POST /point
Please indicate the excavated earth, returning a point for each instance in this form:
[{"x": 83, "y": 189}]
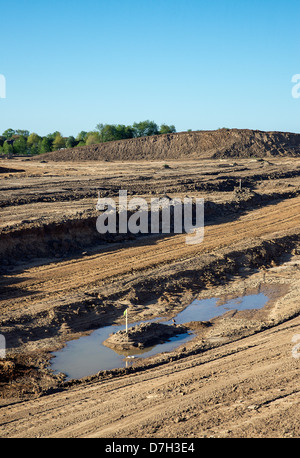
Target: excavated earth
[
  {"x": 61, "y": 279},
  {"x": 221, "y": 143},
  {"x": 143, "y": 335}
]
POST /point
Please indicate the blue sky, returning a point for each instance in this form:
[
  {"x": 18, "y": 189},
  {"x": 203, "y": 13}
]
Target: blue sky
[{"x": 197, "y": 64}]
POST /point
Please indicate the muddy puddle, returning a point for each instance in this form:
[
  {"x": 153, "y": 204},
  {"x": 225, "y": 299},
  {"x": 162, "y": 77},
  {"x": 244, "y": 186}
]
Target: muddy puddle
[{"x": 87, "y": 355}]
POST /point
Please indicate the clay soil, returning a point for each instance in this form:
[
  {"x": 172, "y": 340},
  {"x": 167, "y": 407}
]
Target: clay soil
[{"x": 60, "y": 280}]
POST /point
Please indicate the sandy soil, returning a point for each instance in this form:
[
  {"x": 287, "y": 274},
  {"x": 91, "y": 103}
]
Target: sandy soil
[{"x": 236, "y": 378}]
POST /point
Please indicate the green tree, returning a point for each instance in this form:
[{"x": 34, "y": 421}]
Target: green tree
[
  {"x": 33, "y": 139},
  {"x": 46, "y": 145},
  {"x": 99, "y": 128},
  {"x": 8, "y": 148},
  {"x": 20, "y": 145},
  {"x": 145, "y": 128},
  {"x": 92, "y": 138},
  {"x": 71, "y": 142},
  {"x": 8, "y": 133},
  {"x": 81, "y": 137},
  {"x": 165, "y": 129},
  {"x": 123, "y": 132},
  {"x": 109, "y": 132},
  {"x": 53, "y": 135},
  {"x": 24, "y": 133},
  {"x": 58, "y": 142}
]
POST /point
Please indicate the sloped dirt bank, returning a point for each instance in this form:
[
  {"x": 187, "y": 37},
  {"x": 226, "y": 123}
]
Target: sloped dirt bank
[
  {"x": 67, "y": 237},
  {"x": 221, "y": 143}
]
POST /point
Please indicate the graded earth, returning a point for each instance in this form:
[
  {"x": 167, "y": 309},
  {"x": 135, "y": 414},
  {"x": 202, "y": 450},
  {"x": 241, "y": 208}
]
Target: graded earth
[{"x": 61, "y": 279}]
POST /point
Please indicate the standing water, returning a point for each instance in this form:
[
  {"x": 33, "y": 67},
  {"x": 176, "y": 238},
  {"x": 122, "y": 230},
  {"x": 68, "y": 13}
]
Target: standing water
[{"x": 87, "y": 355}]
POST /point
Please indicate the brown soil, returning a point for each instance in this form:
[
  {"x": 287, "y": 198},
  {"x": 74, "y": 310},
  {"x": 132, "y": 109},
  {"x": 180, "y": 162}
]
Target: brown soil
[
  {"x": 60, "y": 280},
  {"x": 143, "y": 335},
  {"x": 222, "y": 143}
]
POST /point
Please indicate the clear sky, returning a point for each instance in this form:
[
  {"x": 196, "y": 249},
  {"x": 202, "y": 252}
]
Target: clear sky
[{"x": 197, "y": 64}]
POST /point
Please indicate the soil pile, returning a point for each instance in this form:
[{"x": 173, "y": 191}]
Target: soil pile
[
  {"x": 221, "y": 143},
  {"x": 143, "y": 335}
]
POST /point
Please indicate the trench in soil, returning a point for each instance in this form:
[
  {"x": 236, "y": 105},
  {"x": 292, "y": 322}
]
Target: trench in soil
[{"x": 87, "y": 355}]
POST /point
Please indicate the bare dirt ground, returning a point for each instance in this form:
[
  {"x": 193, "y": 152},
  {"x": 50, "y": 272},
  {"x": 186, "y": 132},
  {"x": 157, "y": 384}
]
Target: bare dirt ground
[{"x": 60, "y": 280}]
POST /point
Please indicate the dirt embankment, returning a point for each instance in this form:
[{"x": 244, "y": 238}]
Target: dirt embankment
[
  {"x": 221, "y": 143},
  {"x": 73, "y": 236},
  {"x": 143, "y": 335}
]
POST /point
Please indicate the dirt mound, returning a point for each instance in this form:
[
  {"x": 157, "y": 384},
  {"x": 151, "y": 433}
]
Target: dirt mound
[
  {"x": 143, "y": 335},
  {"x": 221, "y": 143}
]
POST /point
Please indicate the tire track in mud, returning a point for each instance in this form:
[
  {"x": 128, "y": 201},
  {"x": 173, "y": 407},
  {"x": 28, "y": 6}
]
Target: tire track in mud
[
  {"x": 66, "y": 276},
  {"x": 228, "y": 391}
]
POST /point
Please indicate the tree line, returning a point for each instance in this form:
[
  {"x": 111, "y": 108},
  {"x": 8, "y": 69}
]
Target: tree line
[{"x": 22, "y": 142}]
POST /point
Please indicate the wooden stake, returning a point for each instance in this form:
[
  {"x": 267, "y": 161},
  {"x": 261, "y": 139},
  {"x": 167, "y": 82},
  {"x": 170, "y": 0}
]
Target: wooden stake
[{"x": 126, "y": 315}]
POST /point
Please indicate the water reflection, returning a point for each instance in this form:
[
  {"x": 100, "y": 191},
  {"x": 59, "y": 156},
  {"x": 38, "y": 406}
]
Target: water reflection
[{"x": 87, "y": 355}]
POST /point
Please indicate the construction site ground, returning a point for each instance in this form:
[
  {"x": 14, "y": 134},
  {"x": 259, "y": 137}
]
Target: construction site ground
[{"x": 60, "y": 280}]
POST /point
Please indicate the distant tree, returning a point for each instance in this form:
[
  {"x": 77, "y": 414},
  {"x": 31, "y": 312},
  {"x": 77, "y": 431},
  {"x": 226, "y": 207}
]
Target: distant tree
[
  {"x": 36, "y": 149},
  {"x": 71, "y": 142},
  {"x": 99, "y": 128},
  {"x": 122, "y": 132},
  {"x": 25, "y": 142},
  {"x": 33, "y": 139},
  {"x": 92, "y": 138},
  {"x": 107, "y": 132},
  {"x": 53, "y": 135},
  {"x": 24, "y": 133},
  {"x": 110, "y": 133},
  {"x": 165, "y": 129},
  {"x": 81, "y": 137},
  {"x": 145, "y": 128},
  {"x": 8, "y": 133},
  {"x": 20, "y": 145},
  {"x": 8, "y": 148},
  {"x": 46, "y": 145},
  {"x": 58, "y": 142}
]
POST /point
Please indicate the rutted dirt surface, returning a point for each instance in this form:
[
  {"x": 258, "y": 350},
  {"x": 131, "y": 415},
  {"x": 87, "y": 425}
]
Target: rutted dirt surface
[
  {"x": 60, "y": 280},
  {"x": 244, "y": 389}
]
